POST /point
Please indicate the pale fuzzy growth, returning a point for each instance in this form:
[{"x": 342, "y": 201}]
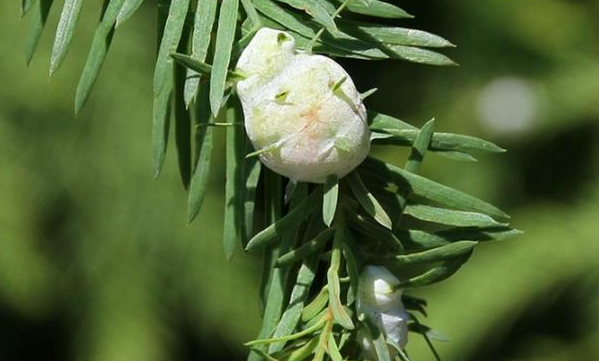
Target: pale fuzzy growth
[
  {"x": 303, "y": 110},
  {"x": 380, "y": 299}
]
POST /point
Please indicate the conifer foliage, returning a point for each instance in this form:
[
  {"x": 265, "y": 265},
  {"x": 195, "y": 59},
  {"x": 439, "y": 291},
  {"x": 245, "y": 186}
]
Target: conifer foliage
[{"x": 317, "y": 239}]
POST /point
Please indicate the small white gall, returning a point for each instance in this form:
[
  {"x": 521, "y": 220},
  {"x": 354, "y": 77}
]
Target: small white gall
[
  {"x": 379, "y": 298},
  {"x": 302, "y": 112}
]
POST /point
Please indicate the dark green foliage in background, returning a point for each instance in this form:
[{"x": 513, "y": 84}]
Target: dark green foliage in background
[{"x": 170, "y": 232}]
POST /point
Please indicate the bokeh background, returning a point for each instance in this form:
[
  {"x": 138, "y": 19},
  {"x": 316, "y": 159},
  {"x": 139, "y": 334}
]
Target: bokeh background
[{"x": 97, "y": 262}]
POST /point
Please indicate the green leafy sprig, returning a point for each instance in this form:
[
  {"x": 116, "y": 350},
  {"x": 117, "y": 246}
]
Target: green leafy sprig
[{"x": 315, "y": 238}]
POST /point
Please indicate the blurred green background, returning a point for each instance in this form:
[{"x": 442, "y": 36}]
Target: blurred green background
[{"x": 97, "y": 262}]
